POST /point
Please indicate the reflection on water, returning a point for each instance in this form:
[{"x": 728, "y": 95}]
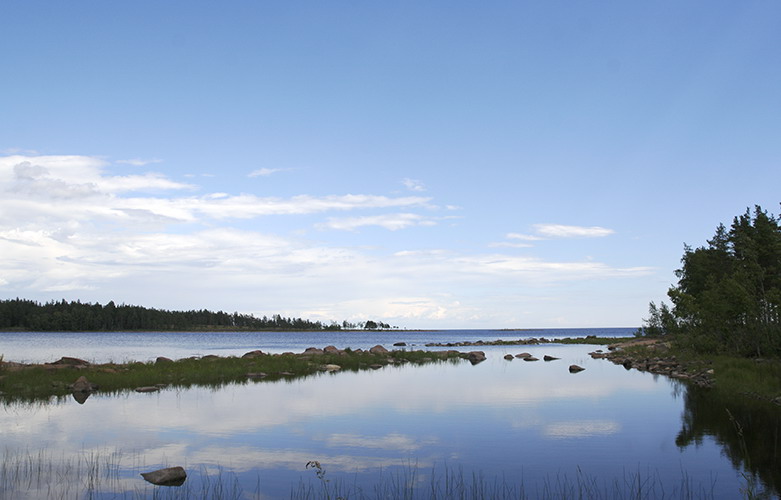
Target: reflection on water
[
  {"x": 524, "y": 421},
  {"x": 749, "y": 432}
]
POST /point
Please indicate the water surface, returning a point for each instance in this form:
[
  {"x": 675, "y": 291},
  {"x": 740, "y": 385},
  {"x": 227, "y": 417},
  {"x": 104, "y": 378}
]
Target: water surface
[{"x": 530, "y": 425}]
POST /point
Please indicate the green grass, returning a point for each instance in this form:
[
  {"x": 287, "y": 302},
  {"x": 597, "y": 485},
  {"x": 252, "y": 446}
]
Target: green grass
[
  {"x": 43, "y": 381},
  {"x": 733, "y": 375}
]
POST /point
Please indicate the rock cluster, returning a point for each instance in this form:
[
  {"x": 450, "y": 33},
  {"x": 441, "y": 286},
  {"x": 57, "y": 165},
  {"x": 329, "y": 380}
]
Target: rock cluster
[{"x": 660, "y": 364}]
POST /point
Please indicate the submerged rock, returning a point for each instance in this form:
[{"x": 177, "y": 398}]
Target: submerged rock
[
  {"x": 575, "y": 368},
  {"x": 509, "y": 357},
  {"x": 549, "y": 358},
  {"x": 171, "y": 476}
]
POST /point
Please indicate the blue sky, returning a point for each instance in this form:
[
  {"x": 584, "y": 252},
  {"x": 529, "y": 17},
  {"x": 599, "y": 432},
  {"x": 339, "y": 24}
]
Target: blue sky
[{"x": 431, "y": 165}]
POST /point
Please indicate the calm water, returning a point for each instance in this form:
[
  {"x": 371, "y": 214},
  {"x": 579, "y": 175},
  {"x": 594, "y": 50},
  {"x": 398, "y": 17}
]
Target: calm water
[
  {"x": 517, "y": 422},
  {"x": 43, "y": 347}
]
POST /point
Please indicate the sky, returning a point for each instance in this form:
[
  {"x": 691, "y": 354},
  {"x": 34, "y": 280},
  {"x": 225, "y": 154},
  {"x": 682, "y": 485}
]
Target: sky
[{"x": 433, "y": 164}]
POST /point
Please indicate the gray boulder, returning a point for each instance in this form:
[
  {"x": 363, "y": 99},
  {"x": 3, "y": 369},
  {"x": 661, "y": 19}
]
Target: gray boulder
[
  {"x": 171, "y": 476},
  {"x": 378, "y": 349},
  {"x": 254, "y": 354},
  {"x": 475, "y": 357},
  {"x": 71, "y": 362},
  {"x": 83, "y": 385}
]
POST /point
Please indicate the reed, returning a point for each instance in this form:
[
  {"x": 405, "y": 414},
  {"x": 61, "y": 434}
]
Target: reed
[{"x": 115, "y": 475}]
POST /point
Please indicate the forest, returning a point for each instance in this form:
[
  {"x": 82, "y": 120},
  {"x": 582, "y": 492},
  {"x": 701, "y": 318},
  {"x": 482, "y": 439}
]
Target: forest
[
  {"x": 28, "y": 315},
  {"x": 728, "y": 296}
]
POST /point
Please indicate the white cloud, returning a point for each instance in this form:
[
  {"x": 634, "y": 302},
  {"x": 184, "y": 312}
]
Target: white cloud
[
  {"x": 263, "y": 172},
  {"x": 67, "y": 224},
  {"x": 140, "y": 162},
  {"x": 525, "y": 237},
  {"x": 391, "y": 222},
  {"x": 563, "y": 231},
  {"x": 413, "y": 184}
]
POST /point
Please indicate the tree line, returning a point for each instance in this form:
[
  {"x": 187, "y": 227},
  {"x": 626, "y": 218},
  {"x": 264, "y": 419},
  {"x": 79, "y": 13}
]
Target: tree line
[
  {"x": 728, "y": 295},
  {"x": 23, "y": 314}
]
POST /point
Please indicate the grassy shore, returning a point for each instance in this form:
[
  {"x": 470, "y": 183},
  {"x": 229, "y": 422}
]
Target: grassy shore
[
  {"x": 40, "y": 381},
  {"x": 731, "y": 375}
]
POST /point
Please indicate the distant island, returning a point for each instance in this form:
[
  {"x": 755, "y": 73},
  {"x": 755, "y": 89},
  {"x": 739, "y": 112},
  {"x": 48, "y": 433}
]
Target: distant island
[{"x": 76, "y": 316}]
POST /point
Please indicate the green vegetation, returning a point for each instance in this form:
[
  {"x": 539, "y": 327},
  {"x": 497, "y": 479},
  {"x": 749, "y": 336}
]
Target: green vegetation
[
  {"x": 39, "y": 382},
  {"x": 62, "y": 316},
  {"x": 728, "y": 296}
]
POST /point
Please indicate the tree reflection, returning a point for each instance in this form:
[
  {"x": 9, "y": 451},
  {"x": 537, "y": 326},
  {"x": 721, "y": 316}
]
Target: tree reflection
[{"x": 746, "y": 429}]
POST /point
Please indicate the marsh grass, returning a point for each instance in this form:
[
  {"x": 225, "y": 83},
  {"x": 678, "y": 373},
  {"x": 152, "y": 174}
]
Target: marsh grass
[
  {"x": 453, "y": 483},
  {"x": 103, "y": 474},
  {"x": 41, "y": 382},
  {"x": 760, "y": 378},
  {"x": 116, "y": 475}
]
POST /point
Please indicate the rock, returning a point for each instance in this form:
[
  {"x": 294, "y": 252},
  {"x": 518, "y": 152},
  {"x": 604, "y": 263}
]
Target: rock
[
  {"x": 254, "y": 354},
  {"x": 256, "y": 375},
  {"x": 210, "y": 357},
  {"x": 314, "y": 351},
  {"x": 332, "y": 368},
  {"x": 378, "y": 349},
  {"x": 475, "y": 357},
  {"x": 171, "y": 476},
  {"x": 400, "y": 344},
  {"x": 71, "y": 362},
  {"x": 375, "y": 366},
  {"x": 331, "y": 350},
  {"x": 509, "y": 357},
  {"x": 162, "y": 359},
  {"x": 530, "y": 358},
  {"x": 151, "y": 388},
  {"x": 83, "y": 385},
  {"x": 575, "y": 368},
  {"x": 549, "y": 358},
  {"x": 523, "y": 355}
]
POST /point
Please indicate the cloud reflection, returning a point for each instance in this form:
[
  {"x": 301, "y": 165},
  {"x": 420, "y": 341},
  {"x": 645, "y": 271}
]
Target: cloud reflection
[{"x": 581, "y": 429}]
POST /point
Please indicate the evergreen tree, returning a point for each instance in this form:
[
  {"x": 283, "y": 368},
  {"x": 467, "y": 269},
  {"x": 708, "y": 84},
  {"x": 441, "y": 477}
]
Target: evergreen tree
[{"x": 728, "y": 296}]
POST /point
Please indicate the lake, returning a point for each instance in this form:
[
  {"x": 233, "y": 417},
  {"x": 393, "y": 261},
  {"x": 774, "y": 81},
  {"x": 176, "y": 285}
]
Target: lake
[{"x": 498, "y": 429}]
